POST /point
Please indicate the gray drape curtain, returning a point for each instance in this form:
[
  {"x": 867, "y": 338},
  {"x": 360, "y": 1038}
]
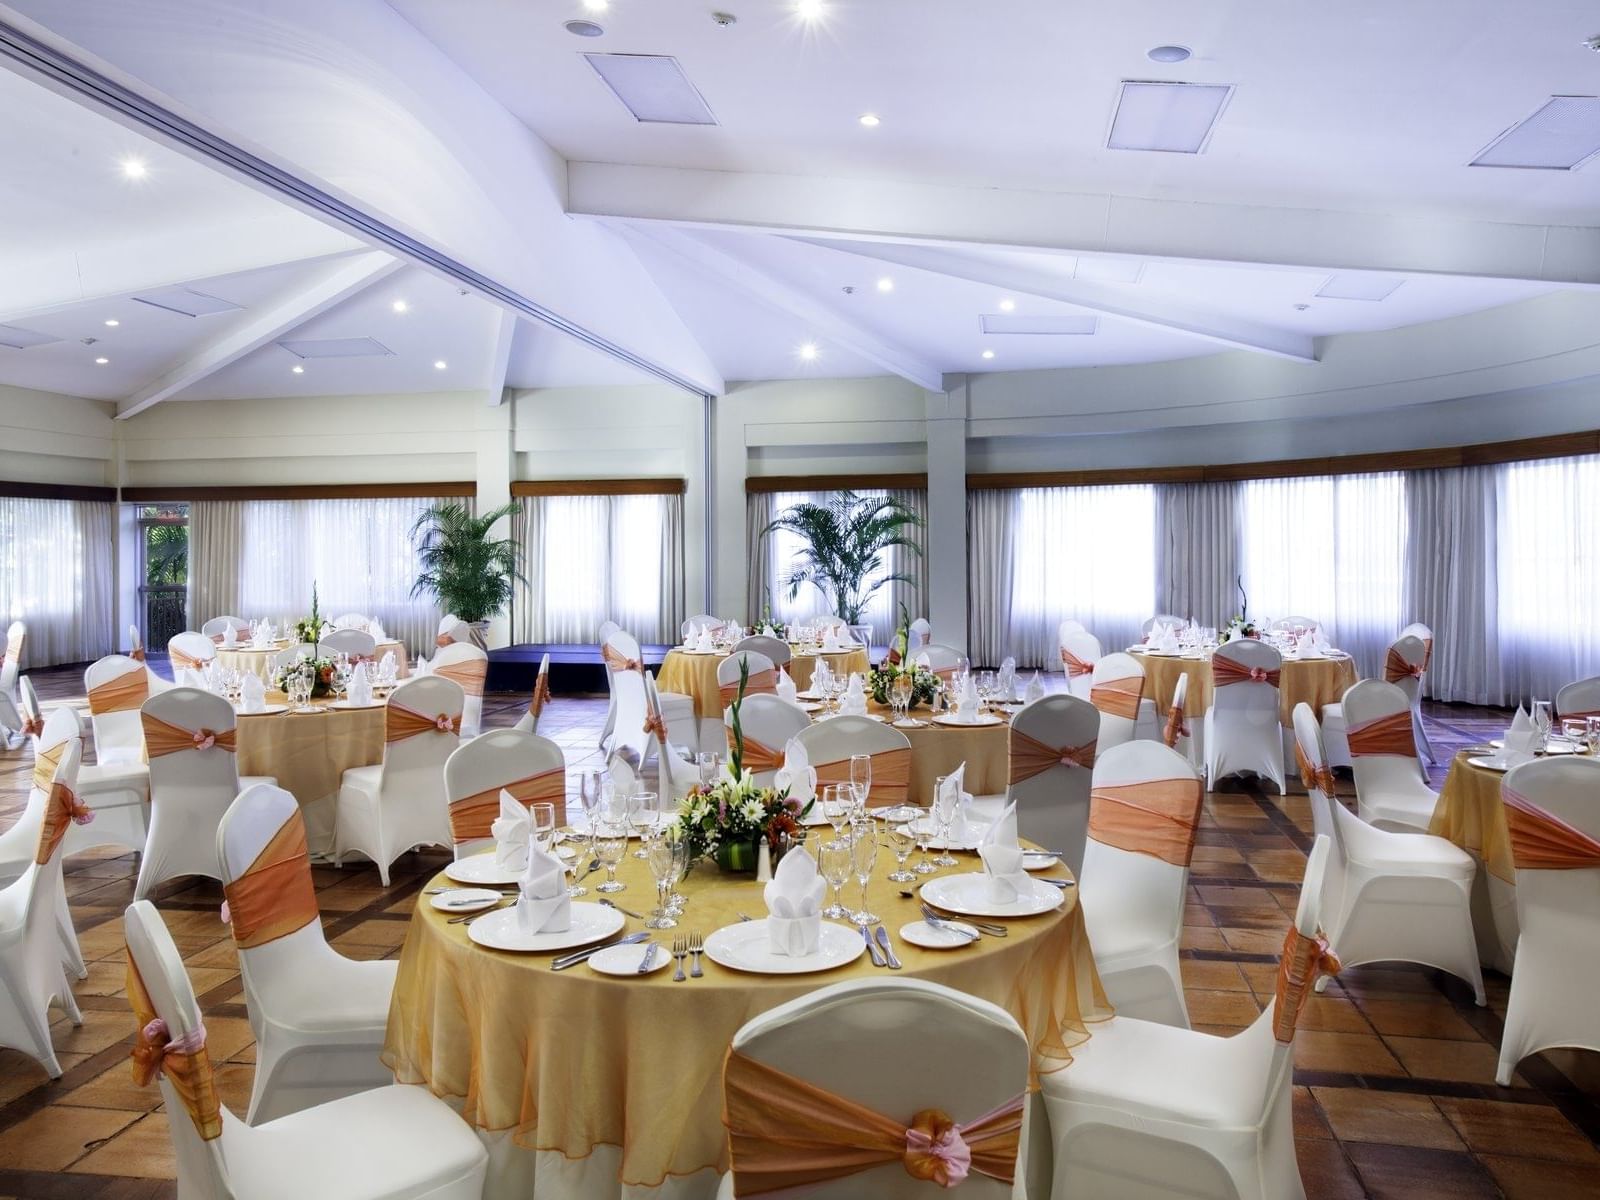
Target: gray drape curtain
[
  {"x": 1197, "y": 550},
  {"x": 990, "y": 549},
  {"x": 216, "y": 549},
  {"x": 56, "y": 577},
  {"x": 1451, "y": 579}
]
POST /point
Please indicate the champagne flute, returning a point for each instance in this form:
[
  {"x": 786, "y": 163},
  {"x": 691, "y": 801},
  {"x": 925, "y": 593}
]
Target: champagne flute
[
  {"x": 611, "y": 839},
  {"x": 676, "y": 900},
  {"x": 589, "y": 800},
  {"x": 659, "y": 853},
  {"x": 863, "y": 858},
  {"x": 834, "y": 859},
  {"x": 642, "y": 816},
  {"x": 944, "y": 819},
  {"x": 861, "y": 779}
]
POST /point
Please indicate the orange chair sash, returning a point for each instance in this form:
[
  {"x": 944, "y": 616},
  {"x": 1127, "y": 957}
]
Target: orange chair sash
[
  {"x": 127, "y": 691},
  {"x": 1303, "y": 961},
  {"x": 275, "y": 896},
  {"x": 541, "y": 695},
  {"x": 186, "y": 661},
  {"x": 137, "y": 654},
  {"x": 1427, "y": 653},
  {"x": 786, "y": 1133},
  {"x": 1119, "y": 697},
  {"x": 1314, "y": 776},
  {"x": 757, "y": 756},
  {"x": 1542, "y": 841},
  {"x": 1028, "y": 756},
  {"x": 615, "y": 660},
  {"x": 656, "y": 724},
  {"x": 443, "y": 639},
  {"x": 162, "y": 737},
  {"x": 891, "y": 776},
  {"x": 760, "y": 683},
  {"x": 472, "y": 817},
  {"x": 45, "y": 762},
  {"x": 1226, "y": 671},
  {"x": 183, "y": 1061},
  {"x": 401, "y": 723},
  {"x": 1074, "y": 665},
  {"x": 62, "y": 809},
  {"x": 1158, "y": 818},
  {"x": 1385, "y": 735},
  {"x": 470, "y": 674},
  {"x": 1175, "y": 728},
  {"x": 32, "y": 726},
  {"x": 1395, "y": 667}
]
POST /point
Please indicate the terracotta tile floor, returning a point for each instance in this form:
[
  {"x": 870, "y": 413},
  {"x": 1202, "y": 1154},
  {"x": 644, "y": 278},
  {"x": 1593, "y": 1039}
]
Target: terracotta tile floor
[{"x": 1394, "y": 1096}]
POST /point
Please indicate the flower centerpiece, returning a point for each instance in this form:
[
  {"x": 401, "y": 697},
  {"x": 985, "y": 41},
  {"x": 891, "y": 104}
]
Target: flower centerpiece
[
  {"x": 728, "y": 819},
  {"x": 310, "y": 630},
  {"x": 1241, "y": 626},
  {"x": 897, "y": 663},
  {"x": 320, "y": 670}
]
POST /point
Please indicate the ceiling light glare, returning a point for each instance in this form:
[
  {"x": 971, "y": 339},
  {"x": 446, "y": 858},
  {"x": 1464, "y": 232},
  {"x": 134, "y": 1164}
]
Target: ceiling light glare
[
  {"x": 133, "y": 168},
  {"x": 808, "y": 352},
  {"x": 439, "y": 364},
  {"x": 810, "y": 10},
  {"x": 886, "y": 284},
  {"x": 298, "y": 369},
  {"x": 870, "y": 120},
  {"x": 1008, "y": 305},
  {"x": 112, "y": 323},
  {"x": 596, "y": 6},
  {"x": 988, "y": 353},
  {"x": 400, "y": 306},
  {"x": 101, "y": 361}
]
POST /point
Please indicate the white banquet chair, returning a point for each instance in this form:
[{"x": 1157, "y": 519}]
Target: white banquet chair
[
  {"x": 117, "y": 786},
  {"x": 528, "y": 722},
  {"x": 1555, "y": 845},
  {"x": 1144, "y": 810},
  {"x": 1171, "y": 620},
  {"x": 1080, "y": 650},
  {"x": 10, "y": 664},
  {"x": 944, "y": 661},
  {"x": 386, "y": 810},
  {"x": 677, "y": 768},
  {"x": 776, "y": 650},
  {"x": 1297, "y": 625},
  {"x": 137, "y": 653},
  {"x": 1580, "y": 698},
  {"x": 1389, "y": 897},
  {"x": 698, "y": 622},
  {"x": 1050, "y": 752},
  {"x": 452, "y": 631},
  {"x": 607, "y": 628},
  {"x": 468, "y": 666},
  {"x": 530, "y": 767},
  {"x": 762, "y": 680},
  {"x": 1148, "y": 1110},
  {"x": 1405, "y": 662},
  {"x": 32, "y": 977},
  {"x": 217, "y": 628},
  {"x": 1390, "y": 792},
  {"x": 357, "y": 643},
  {"x": 352, "y": 620},
  {"x": 1175, "y": 731},
  {"x": 621, "y": 653},
  {"x": 317, "y": 1016},
  {"x": 1425, "y": 635},
  {"x": 117, "y": 687},
  {"x": 877, "y": 1033},
  {"x": 189, "y": 654},
  {"x": 191, "y": 738},
  {"x": 289, "y": 655},
  {"x": 390, "y": 1143},
  {"x": 830, "y": 744},
  {"x": 921, "y": 633},
  {"x": 1243, "y": 731},
  {"x": 1116, "y": 687},
  {"x": 767, "y": 723}
]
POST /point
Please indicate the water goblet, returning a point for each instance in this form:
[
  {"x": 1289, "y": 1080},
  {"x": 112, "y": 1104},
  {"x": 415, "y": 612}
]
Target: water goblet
[
  {"x": 707, "y": 762},
  {"x": 836, "y": 803},
  {"x": 863, "y": 858},
  {"x": 1573, "y": 729},
  {"x": 925, "y": 826},
  {"x": 835, "y": 860},
  {"x": 611, "y": 839},
  {"x": 902, "y": 841},
  {"x": 658, "y": 852},
  {"x": 1591, "y": 734},
  {"x": 543, "y": 816},
  {"x": 642, "y": 815},
  {"x": 676, "y": 900}
]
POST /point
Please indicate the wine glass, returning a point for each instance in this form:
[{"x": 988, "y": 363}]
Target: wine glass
[
  {"x": 902, "y": 841},
  {"x": 834, "y": 860},
  {"x": 861, "y": 779},
  {"x": 902, "y": 696},
  {"x": 836, "y": 806},
  {"x": 642, "y": 816},
  {"x": 863, "y": 858},
  {"x": 589, "y": 799},
  {"x": 925, "y": 827},
  {"x": 543, "y": 816},
  {"x": 610, "y": 841},
  {"x": 676, "y": 900},
  {"x": 1591, "y": 734},
  {"x": 659, "y": 854},
  {"x": 944, "y": 820},
  {"x": 1541, "y": 721}
]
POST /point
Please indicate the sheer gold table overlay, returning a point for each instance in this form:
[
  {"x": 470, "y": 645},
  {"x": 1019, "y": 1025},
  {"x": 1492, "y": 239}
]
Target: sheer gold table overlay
[
  {"x": 1469, "y": 814},
  {"x": 696, "y": 675},
  {"x": 250, "y": 661},
  {"x": 570, "y": 1060},
  {"x": 1316, "y": 681}
]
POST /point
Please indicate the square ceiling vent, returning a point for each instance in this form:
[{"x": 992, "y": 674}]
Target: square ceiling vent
[
  {"x": 187, "y": 302},
  {"x": 1177, "y": 118},
  {"x": 1562, "y": 135},
  {"x": 653, "y": 88},
  {"x": 356, "y": 347},
  {"x": 1019, "y": 323},
  {"x": 18, "y": 338},
  {"x": 1353, "y": 285}
]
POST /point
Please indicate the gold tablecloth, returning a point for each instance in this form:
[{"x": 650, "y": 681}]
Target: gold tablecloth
[
  {"x": 251, "y": 661},
  {"x": 309, "y": 753},
  {"x": 567, "y": 1061},
  {"x": 1470, "y": 815},
  {"x": 1316, "y": 681},
  {"x": 696, "y": 675},
  {"x": 939, "y": 749}
]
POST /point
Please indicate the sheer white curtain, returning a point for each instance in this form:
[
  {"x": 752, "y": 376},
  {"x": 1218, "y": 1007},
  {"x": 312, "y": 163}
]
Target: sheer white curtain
[
  {"x": 56, "y": 577},
  {"x": 594, "y": 558},
  {"x": 1331, "y": 548},
  {"x": 1451, "y": 579},
  {"x": 259, "y": 558}
]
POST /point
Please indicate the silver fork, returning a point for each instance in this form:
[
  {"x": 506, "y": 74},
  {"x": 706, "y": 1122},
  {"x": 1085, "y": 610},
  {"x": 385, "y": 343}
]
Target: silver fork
[
  {"x": 696, "y": 945},
  {"x": 680, "y": 951}
]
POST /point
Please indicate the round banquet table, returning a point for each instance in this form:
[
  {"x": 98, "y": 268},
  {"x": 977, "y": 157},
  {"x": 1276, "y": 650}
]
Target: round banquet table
[
  {"x": 308, "y": 753},
  {"x": 250, "y": 661},
  {"x": 1315, "y": 681},
  {"x": 692, "y": 674},
  {"x": 584, "y": 1085},
  {"x": 1470, "y": 815},
  {"x": 939, "y": 749}
]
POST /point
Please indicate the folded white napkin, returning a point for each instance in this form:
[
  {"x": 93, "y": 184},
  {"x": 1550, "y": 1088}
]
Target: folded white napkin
[
  {"x": 830, "y": 641},
  {"x": 1034, "y": 690},
  {"x": 705, "y": 642},
  {"x": 691, "y": 636},
  {"x": 1521, "y": 736},
  {"x": 360, "y": 687},
  {"x": 797, "y": 774},
  {"x": 1006, "y": 678},
  {"x": 375, "y": 628},
  {"x": 1167, "y": 640},
  {"x": 422, "y": 667},
  {"x": 854, "y": 701},
  {"x": 768, "y": 631},
  {"x": 794, "y": 906},
  {"x": 785, "y": 687},
  {"x": 1002, "y": 859},
  {"x": 543, "y": 906},
  {"x": 511, "y": 832},
  {"x": 387, "y": 668},
  {"x": 967, "y": 700},
  {"x": 952, "y": 801},
  {"x": 252, "y": 694},
  {"x": 1319, "y": 640},
  {"x": 230, "y": 636}
]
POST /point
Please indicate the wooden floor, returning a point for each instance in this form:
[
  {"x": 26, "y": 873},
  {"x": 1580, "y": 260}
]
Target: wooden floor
[{"x": 1394, "y": 1067}]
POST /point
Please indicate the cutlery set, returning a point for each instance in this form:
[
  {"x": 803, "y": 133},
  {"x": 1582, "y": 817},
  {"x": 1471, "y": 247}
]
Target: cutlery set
[
  {"x": 881, "y": 949},
  {"x": 683, "y": 946}
]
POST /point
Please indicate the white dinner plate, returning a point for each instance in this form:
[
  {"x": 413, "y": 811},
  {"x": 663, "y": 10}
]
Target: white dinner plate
[
  {"x": 911, "y": 723},
  {"x": 480, "y": 869},
  {"x": 946, "y": 937},
  {"x": 807, "y": 695},
  {"x": 352, "y": 704},
  {"x": 809, "y": 706},
  {"x": 465, "y": 900},
  {"x": 975, "y": 831},
  {"x": 590, "y": 923},
  {"x": 1037, "y": 860},
  {"x": 744, "y": 947},
  {"x": 977, "y": 722},
  {"x": 625, "y": 960},
  {"x": 869, "y": 716},
  {"x": 969, "y": 895},
  {"x": 266, "y": 710},
  {"x": 1492, "y": 762}
]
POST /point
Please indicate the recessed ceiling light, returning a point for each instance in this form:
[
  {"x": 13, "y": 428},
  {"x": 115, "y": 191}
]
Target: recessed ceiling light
[
  {"x": 439, "y": 364},
  {"x": 1169, "y": 54},
  {"x": 808, "y": 351},
  {"x": 112, "y": 323},
  {"x": 1174, "y": 117},
  {"x": 1562, "y": 135},
  {"x": 399, "y": 306},
  {"x": 870, "y": 120},
  {"x": 133, "y": 168},
  {"x": 298, "y": 369},
  {"x": 988, "y": 353},
  {"x": 810, "y": 10},
  {"x": 653, "y": 87},
  {"x": 886, "y": 284},
  {"x": 1007, "y": 305},
  {"x": 101, "y": 361},
  {"x": 586, "y": 29}
]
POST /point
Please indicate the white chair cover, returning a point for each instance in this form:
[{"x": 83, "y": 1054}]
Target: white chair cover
[
  {"x": 452, "y": 629},
  {"x": 469, "y": 667},
  {"x": 921, "y": 633},
  {"x": 357, "y": 643},
  {"x": 768, "y": 722},
  {"x": 1243, "y": 731},
  {"x": 221, "y": 625},
  {"x": 529, "y": 721},
  {"x": 1390, "y": 792},
  {"x": 762, "y": 678},
  {"x": 352, "y": 620},
  {"x": 1424, "y": 635},
  {"x": 677, "y": 774},
  {"x": 499, "y": 759},
  {"x": 1052, "y": 799},
  {"x": 1169, "y": 619},
  {"x": 700, "y": 621},
  {"x": 117, "y": 785},
  {"x": 775, "y": 650},
  {"x": 188, "y": 654},
  {"x": 1116, "y": 688},
  {"x": 830, "y": 744},
  {"x": 942, "y": 659},
  {"x": 1080, "y": 651},
  {"x": 683, "y": 728},
  {"x": 1294, "y": 624},
  {"x": 1579, "y": 699}
]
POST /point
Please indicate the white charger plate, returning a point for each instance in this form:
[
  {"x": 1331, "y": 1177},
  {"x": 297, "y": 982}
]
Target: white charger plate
[
  {"x": 911, "y": 723},
  {"x": 266, "y": 710},
  {"x": 975, "y": 831},
  {"x": 590, "y": 923},
  {"x": 480, "y": 869},
  {"x": 744, "y": 947},
  {"x": 465, "y": 900},
  {"x": 969, "y": 895},
  {"x": 1492, "y": 762},
  {"x": 869, "y": 716},
  {"x": 920, "y": 933},
  {"x": 809, "y": 706},
  {"x": 351, "y": 704},
  {"x": 625, "y": 960},
  {"x": 976, "y": 723}
]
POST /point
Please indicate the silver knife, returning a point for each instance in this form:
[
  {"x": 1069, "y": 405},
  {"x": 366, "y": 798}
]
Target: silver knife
[
  {"x": 572, "y": 960},
  {"x": 649, "y": 959},
  {"x": 872, "y": 949},
  {"x": 888, "y": 948}
]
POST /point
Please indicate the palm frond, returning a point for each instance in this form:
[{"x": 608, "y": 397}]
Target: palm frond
[
  {"x": 844, "y": 542},
  {"x": 466, "y": 569}
]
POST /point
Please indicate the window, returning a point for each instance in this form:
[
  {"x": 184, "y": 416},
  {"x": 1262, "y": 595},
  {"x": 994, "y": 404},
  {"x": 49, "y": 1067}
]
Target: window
[
  {"x": 164, "y": 571},
  {"x": 55, "y": 577}
]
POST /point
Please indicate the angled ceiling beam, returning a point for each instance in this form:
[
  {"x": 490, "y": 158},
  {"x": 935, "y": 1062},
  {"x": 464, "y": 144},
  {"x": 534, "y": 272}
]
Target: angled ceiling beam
[
  {"x": 505, "y": 332},
  {"x": 262, "y": 325},
  {"x": 1155, "y": 311},
  {"x": 1012, "y": 218},
  {"x": 700, "y": 256}
]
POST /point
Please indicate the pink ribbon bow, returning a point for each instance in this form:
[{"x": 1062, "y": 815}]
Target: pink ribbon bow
[
  {"x": 1258, "y": 674},
  {"x": 204, "y": 739},
  {"x": 445, "y": 723},
  {"x": 227, "y": 914},
  {"x": 947, "y": 1155},
  {"x": 190, "y": 1043}
]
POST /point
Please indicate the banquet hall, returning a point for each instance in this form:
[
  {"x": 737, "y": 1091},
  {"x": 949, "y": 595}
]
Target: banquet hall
[{"x": 616, "y": 600}]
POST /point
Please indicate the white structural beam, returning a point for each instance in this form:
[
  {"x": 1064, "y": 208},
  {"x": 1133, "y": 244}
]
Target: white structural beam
[
  {"x": 952, "y": 215},
  {"x": 698, "y": 255},
  {"x": 265, "y": 324},
  {"x": 505, "y": 333},
  {"x": 1156, "y": 311}
]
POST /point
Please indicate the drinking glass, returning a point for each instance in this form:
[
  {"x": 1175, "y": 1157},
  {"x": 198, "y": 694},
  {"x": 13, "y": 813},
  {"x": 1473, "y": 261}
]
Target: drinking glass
[
  {"x": 642, "y": 815},
  {"x": 861, "y": 778},
  {"x": 863, "y": 858},
  {"x": 1573, "y": 729},
  {"x": 902, "y": 841},
  {"x": 902, "y": 696},
  {"x": 1592, "y": 734},
  {"x": 543, "y": 816},
  {"x": 659, "y": 853},
  {"x": 834, "y": 860},
  {"x": 610, "y": 840},
  {"x": 836, "y": 806},
  {"x": 589, "y": 796},
  {"x": 676, "y": 900},
  {"x": 707, "y": 762},
  {"x": 924, "y": 826},
  {"x": 1541, "y": 721},
  {"x": 943, "y": 811}
]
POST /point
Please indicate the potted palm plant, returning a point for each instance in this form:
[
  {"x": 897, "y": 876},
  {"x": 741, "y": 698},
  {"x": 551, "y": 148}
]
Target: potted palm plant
[
  {"x": 465, "y": 568},
  {"x": 845, "y": 540}
]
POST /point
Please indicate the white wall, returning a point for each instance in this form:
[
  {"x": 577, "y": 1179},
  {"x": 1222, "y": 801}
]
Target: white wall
[{"x": 46, "y": 437}]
